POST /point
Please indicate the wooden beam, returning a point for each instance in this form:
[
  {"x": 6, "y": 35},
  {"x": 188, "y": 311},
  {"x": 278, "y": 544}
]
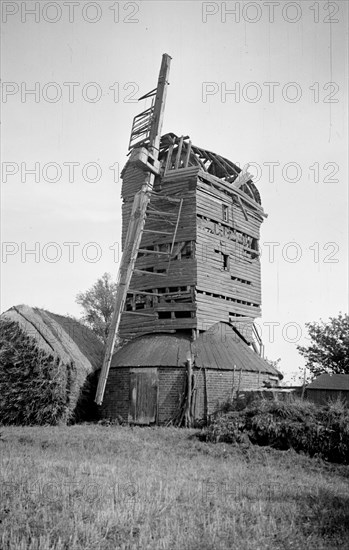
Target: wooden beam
[
  {"x": 169, "y": 158},
  {"x": 154, "y": 231},
  {"x": 182, "y": 293},
  {"x": 179, "y": 151},
  {"x": 139, "y": 313},
  {"x": 176, "y": 228},
  {"x": 187, "y": 416},
  {"x": 187, "y": 156},
  {"x": 243, "y": 208},
  {"x": 242, "y": 178},
  {"x": 146, "y": 251},
  {"x": 159, "y": 106},
  {"x": 144, "y": 272}
]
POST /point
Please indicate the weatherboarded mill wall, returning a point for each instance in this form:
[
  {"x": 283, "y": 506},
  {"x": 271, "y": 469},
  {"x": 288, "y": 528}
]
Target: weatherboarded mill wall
[
  {"x": 197, "y": 270},
  {"x": 203, "y": 265}
]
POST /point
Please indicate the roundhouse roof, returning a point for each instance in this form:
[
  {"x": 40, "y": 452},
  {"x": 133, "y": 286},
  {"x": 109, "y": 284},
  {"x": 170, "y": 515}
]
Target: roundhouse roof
[{"x": 218, "y": 348}]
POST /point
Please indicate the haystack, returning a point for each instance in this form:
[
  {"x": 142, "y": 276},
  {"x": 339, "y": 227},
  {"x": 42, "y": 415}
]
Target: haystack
[{"x": 47, "y": 366}]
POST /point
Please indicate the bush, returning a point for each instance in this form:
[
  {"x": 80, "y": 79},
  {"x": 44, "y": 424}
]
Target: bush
[{"x": 294, "y": 424}]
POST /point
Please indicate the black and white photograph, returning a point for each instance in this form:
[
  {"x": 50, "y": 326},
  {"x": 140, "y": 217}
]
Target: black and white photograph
[{"x": 174, "y": 327}]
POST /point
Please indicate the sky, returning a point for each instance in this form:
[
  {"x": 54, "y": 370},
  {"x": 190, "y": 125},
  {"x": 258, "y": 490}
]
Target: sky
[{"x": 261, "y": 83}]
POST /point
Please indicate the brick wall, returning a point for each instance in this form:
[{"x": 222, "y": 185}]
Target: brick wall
[
  {"x": 171, "y": 387},
  {"x": 211, "y": 388},
  {"x": 117, "y": 394},
  {"x": 215, "y": 386}
]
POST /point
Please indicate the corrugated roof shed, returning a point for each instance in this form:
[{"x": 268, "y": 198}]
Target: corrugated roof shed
[
  {"x": 153, "y": 350},
  {"x": 219, "y": 348},
  {"x": 330, "y": 382},
  {"x": 222, "y": 348}
]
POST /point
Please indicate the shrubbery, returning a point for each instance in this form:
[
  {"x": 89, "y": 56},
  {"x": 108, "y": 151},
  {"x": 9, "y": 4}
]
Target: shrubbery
[{"x": 296, "y": 424}]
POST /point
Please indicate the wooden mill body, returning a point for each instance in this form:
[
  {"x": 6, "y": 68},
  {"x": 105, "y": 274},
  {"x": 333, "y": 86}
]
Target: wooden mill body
[{"x": 213, "y": 273}]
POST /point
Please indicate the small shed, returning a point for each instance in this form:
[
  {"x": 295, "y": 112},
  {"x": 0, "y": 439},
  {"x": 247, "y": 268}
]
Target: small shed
[{"x": 328, "y": 386}]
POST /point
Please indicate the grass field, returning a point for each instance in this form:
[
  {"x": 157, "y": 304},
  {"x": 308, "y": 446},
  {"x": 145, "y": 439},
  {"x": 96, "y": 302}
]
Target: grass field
[{"x": 98, "y": 487}]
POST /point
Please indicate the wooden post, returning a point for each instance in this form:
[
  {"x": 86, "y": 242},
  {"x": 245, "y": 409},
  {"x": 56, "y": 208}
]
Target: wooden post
[
  {"x": 232, "y": 389},
  {"x": 193, "y": 398},
  {"x": 205, "y": 396},
  {"x": 179, "y": 152},
  {"x": 187, "y": 156},
  {"x": 189, "y": 388},
  {"x": 238, "y": 390}
]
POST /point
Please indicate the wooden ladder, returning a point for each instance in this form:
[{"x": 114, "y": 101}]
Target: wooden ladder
[{"x": 146, "y": 128}]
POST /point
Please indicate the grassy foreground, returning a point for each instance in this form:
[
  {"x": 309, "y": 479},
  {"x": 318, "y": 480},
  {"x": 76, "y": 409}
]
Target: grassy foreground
[{"x": 97, "y": 487}]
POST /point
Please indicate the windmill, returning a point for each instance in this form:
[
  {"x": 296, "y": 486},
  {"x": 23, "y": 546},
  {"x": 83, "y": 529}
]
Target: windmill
[
  {"x": 144, "y": 147},
  {"x": 189, "y": 283}
]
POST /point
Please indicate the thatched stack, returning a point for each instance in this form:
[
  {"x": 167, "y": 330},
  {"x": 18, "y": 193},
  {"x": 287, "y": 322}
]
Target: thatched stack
[{"x": 47, "y": 366}]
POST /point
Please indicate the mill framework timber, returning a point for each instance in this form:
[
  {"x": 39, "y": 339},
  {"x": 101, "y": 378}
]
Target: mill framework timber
[{"x": 189, "y": 282}]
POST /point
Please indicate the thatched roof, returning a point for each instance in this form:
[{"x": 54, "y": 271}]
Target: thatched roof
[{"x": 46, "y": 361}]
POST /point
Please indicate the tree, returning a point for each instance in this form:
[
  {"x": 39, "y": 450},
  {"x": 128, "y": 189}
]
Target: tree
[
  {"x": 273, "y": 362},
  {"x": 98, "y": 305},
  {"x": 328, "y": 351}
]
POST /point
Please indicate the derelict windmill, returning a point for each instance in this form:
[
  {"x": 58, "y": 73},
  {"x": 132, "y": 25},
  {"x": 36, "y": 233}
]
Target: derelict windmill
[{"x": 189, "y": 284}]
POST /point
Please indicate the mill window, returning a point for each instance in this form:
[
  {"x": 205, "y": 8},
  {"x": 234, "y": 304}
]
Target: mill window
[
  {"x": 183, "y": 314},
  {"x": 187, "y": 251},
  {"x": 225, "y": 262},
  {"x": 225, "y": 213},
  {"x": 164, "y": 314}
]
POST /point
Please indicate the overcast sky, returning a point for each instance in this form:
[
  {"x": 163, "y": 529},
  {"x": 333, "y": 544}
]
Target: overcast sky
[{"x": 257, "y": 82}]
